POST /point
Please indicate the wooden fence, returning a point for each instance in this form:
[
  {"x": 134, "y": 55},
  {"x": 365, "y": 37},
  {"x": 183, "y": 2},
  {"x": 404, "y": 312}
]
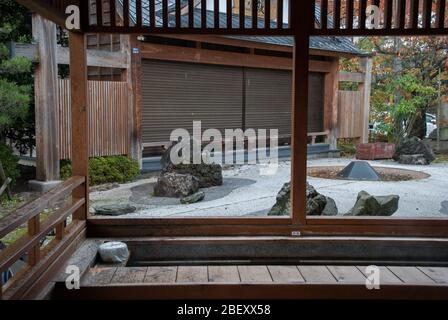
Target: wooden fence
[
  {"x": 350, "y": 113},
  {"x": 108, "y": 118},
  {"x": 354, "y": 106}
]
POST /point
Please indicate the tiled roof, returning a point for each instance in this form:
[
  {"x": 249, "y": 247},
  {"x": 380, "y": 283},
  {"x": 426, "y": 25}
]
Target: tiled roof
[{"x": 334, "y": 44}]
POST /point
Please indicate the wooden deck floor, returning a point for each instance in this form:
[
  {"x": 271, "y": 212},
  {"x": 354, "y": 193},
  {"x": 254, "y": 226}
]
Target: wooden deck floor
[{"x": 260, "y": 281}]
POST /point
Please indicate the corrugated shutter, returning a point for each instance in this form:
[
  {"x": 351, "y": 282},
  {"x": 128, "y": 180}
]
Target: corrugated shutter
[
  {"x": 316, "y": 95},
  {"x": 176, "y": 94},
  {"x": 269, "y": 100}
]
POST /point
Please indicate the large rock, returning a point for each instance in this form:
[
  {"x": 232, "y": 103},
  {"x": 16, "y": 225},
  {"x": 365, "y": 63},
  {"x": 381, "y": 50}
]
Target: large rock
[
  {"x": 174, "y": 185},
  {"x": 114, "y": 210},
  {"x": 368, "y": 205},
  {"x": 317, "y": 204},
  {"x": 209, "y": 175},
  {"x": 414, "y": 146},
  {"x": 414, "y": 159},
  {"x": 282, "y": 205},
  {"x": 331, "y": 208}
]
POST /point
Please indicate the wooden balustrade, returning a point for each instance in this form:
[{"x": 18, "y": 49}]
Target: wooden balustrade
[
  {"x": 397, "y": 17},
  {"x": 190, "y": 17},
  {"x": 314, "y": 135},
  {"x": 37, "y": 230}
]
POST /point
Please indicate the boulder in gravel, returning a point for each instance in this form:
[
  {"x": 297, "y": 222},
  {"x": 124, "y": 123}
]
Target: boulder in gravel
[
  {"x": 331, "y": 208},
  {"x": 414, "y": 159},
  {"x": 194, "y": 198},
  {"x": 114, "y": 210},
  {"x": 368, "y": 205},
  {"x": 174, "y": 185},
  {"x": 317, "y": 204},
  {"x": 209, "y": 175},
  {"x": 414, "y": 146}
]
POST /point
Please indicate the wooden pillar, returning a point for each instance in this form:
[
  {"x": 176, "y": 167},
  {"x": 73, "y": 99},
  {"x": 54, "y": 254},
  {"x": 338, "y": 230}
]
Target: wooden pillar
[
  {"x": 331, "y": 103},
  {"x": 45, "y": 80},
  {"x": 80, "y": 118},
  {"x": 301, "y": 24},
  {"x": 132, "y": 75},
  {"x": 365, "y": 88}
]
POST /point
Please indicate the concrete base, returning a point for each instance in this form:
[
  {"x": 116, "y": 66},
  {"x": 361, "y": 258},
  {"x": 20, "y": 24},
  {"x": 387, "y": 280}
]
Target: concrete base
[{"x": 43, "y": 186}]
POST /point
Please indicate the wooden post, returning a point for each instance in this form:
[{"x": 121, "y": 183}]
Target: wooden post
[
  {"x": 80, "y": 118},
  {"x": 132, "y": 76},
  {"x": 45, "y": 79},
  {"x": 365, "y": 87},
  {"x": 300, "y": 24},
  {"x": 33, "y": 229},
  {"x": 331, "y": 103}
]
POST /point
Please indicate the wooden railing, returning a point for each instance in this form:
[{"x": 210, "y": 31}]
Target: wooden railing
[
  {"x": 396, "y": 17},
  {"x": 314, "y": 135},
  {"x": 182, "y": 16},
  {"x": 38, "y": 257}
]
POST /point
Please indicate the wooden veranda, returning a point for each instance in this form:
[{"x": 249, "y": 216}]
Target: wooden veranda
[{"x": 43, "y": 263}]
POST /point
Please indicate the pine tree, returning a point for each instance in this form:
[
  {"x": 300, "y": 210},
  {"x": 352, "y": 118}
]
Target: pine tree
[{"x": 16, "y": 80}]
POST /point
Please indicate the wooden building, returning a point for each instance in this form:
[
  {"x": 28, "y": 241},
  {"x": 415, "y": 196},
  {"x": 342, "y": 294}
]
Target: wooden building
[
  {"x": 297, "y": 256},
  {"x": 227, "y": 82}
]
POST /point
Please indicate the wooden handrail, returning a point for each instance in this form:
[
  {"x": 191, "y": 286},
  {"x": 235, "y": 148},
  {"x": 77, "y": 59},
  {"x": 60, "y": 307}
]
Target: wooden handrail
[
  {"x": 38, "y": 230},
  {"x": 16, "y": 250},
  {"x": 30, "y": 210}
]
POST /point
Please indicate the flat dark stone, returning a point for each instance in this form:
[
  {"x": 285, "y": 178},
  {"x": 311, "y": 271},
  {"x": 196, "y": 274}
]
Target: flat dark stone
[{"x": 114, "y": 210}]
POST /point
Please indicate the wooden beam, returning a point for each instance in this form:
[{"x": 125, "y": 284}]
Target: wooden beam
[
  {"x": 95, "y": 58},
  {"x": 351, "y": 76},
  {"x": 46, "y": 10},
  {"x": 172, "y": 53},
  {"x": 365, "y": 87},
  {"x": 80, "y": 119},
  {"x": 331, "y": 104},
  {"x": 45, "y": 81},
  {"x": 194, "y": 55},
  {"x": 216, "y": 39}
]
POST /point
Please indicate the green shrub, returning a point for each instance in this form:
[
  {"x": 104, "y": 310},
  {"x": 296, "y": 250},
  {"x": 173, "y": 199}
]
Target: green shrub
[
  {"x": 66, "y": 169},
  {"x": 10, "y": 162},
  {"x": 106, "y": 170},
  {"x": 347, "y": 147}
]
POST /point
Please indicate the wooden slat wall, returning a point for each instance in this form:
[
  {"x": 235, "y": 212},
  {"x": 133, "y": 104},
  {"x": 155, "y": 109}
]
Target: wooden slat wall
[
  {"x": 350, "y": 114},
  {"x": 108, "y": 123}
]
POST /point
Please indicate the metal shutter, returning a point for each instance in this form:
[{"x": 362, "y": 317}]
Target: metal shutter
[
  {"x": 176, "y": 94},
  {"x": 269, "y": 100},
  {"x": 316, "y": 96}
]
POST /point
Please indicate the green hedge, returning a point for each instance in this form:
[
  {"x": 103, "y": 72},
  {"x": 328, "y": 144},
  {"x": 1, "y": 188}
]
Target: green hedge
[
  {"x": 106, "y": 170},
  {"x": 10, "y": 162}
]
